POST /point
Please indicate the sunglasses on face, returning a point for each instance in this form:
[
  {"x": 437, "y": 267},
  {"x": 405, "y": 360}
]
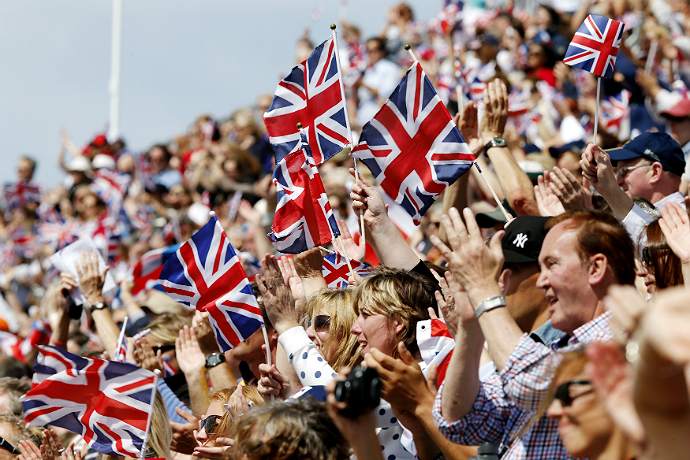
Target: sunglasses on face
[
  {"x": 321, "y": 322},
  {"x": 647, "y": 254},
  {"x": 162, "y": 348},
  {"x": 5, "y": 444},
  {"x": 562, "y": 393},
  {"x": 209, "y": 423},
  {"x": 623, "y": 171}
]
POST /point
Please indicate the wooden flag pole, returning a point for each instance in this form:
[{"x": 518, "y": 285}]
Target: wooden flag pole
[
  {"x": 493, "y": 192},
  {"x": 145, "y": 444},
  {"x": 347, "y": 120},
  {"x": 347, "y": 259},
  {"x": 596, "y": 112}
]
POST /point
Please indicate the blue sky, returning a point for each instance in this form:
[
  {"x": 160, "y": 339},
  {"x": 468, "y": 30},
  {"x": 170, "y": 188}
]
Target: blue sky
[{"x": 179, "y": 59}]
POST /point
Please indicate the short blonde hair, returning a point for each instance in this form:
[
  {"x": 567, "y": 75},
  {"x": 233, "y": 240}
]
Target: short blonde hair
[
  {"x": 392, "y": 292},
  {"x": 223, "y": 396},
  {"x": 340, "y": 307},
  {"x": 166, "y": 328}
]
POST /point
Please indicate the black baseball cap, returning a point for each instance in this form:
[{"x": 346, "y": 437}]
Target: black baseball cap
[
  {"x": 655, "y": 147},
  {"x": 523, "y": 239}
]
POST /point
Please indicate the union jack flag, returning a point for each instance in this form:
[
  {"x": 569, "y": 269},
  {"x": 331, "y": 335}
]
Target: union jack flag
[
  {"x": 111, "y": 187},
  {"x": 120, "y": 354},
  {"x": 147, "y": 270},
  {"x": 310, "y": 95},
  {"x": 412, "y": 147},
  {"x": 107, "y": 402},
  {"x": 304, "y": 218},
  {"x": 58, "y": 234},
  {"x": 614, "y": 109},
  {"x": 594, "y": 47},
  {"x": 206, "y": 274},
  {"x": 435, "y": 345},
  {"x": 336, "y": 272},
  {"x": 18, "y": 194}
]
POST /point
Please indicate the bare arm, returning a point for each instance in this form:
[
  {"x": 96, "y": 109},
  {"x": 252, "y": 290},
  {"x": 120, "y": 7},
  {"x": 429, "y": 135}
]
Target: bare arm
[
  {"x": 597, "y": 169},
  {"x": 517, "y": 187},
  {"x": 392, "y": 249}
]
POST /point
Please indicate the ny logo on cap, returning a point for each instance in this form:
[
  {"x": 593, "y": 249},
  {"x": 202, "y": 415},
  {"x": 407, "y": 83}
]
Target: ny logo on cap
[{"x": 520, "y": 240}]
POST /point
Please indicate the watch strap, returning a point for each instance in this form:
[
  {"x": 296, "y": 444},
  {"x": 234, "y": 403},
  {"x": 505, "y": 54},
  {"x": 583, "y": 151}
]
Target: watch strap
[
  {"x": 489, "y": 304},
  {"x": 497, "y": 141},
  {"x": 214, "y": 359},
  {"x": 98, "y": 306}
]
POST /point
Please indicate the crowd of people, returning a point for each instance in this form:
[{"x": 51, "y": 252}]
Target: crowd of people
[{"x": 547, "y": 321}]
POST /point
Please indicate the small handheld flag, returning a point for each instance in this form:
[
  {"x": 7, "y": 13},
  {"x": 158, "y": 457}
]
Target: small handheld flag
[{"x": 595, "y": 46}]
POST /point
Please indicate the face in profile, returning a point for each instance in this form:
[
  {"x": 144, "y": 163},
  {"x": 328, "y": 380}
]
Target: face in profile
[{"x": 583, "y": 423}]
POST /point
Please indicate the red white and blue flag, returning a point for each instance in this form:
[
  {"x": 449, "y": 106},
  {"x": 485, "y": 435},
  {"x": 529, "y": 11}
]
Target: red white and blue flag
[
  {"x": 111, "y": 187},
  {"x": 206, "y": 274},
  {"x": 147, "y": 270},
  {"x": 310, "y": 95},
  {"x": 120, "y": 353},
  {"x": 107, "y": 402},
  {"x": 19, "y": 194},
  {"x": 303, "y": 218},
  {"x": 595, "y": 46},
  {"x": 336, "y": 272},
  {"x": 615, "y": 109},
  {"x": 435, "y": 345},
  {"x": 412, "y": 147}
]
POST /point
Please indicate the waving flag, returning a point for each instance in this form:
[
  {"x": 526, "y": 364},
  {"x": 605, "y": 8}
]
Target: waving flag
[
  {"x": 107, "y": 402},
  {"x": 336, "y": 273},
  {"x": 58, "y": 234},
  {"x": 304, "y": 218},
  {"x": 147, "y": 270},
  {"x": 310, "y": 95},
  {"x": 435, "y": 345},
  {"x": 614, "y": 109},
  {"x": 594, "y": 47},
  {"x": 412, "y": 147},
  {"x": 111, "y": 187},
  {"x": 206, "y": 274},
  {"x": 18, "y": 194}
]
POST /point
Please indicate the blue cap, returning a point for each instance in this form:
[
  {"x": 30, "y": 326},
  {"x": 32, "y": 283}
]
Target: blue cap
[{"x": 655, "y": 147}]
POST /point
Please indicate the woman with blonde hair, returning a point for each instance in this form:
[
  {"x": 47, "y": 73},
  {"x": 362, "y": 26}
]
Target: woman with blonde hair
[{"x": 226, "y": 408}]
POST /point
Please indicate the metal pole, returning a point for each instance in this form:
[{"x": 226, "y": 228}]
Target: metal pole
[{"x": 115, "y": 70}]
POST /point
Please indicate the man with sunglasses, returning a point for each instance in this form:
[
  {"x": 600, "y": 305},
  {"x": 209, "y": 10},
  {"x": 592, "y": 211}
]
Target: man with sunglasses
[
  {"x": 649, "y": 166},
  {"x": 12, "y": 430}
]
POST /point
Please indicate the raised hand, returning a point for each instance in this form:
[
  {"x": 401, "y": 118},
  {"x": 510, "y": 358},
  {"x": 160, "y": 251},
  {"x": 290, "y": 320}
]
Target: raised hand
[
  {"x": 190, "y": 358},
  {"x": 547, "y": 202},
  {"x": 183, "y": 440},
  {"x": 675, "y": 224},
  {"x": 366, "y": 200},
  {"x": 91, "y": 281},
  {"x": 468, "y": 125},
  {"x": 278, "y": 300},
  {"x": 495, "y": 114},
  {"x": 354, "y": 251},
  {"x": 293, "y": 280},
  {"x": 571, "y": 193},
  {"x": 272, "y": 382},
  {"x": 146, "y": 358}
]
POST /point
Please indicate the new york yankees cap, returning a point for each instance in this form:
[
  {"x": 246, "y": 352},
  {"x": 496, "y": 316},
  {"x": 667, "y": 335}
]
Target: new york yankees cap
[{"x": 523, "y": 239}]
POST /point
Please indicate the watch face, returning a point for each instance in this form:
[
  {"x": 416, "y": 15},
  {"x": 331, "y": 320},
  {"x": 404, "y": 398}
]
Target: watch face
[{"x": 499, "y": 142}]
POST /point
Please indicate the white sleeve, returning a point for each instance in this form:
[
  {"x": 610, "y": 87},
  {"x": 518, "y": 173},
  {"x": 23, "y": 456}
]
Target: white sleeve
[
  {"x": 635, "y": 223},
  {"x": 310, "y": 366}
]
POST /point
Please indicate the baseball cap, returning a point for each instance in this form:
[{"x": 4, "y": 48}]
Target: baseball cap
[
  {"x": 680, "y": 109},
  {"x": 523, "y": 239},
  {"x": 655, "y": 147},
  {"x": 491, "y": 218}
]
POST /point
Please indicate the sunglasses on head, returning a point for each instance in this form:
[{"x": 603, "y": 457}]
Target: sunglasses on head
[
  {"x": 162, "y": 348},
  {"x": 209, "y": 423},
  {"x": 562, "y": 393},
  {"x": 320, "y": 322},
  {"x": 5, "y": 444}
]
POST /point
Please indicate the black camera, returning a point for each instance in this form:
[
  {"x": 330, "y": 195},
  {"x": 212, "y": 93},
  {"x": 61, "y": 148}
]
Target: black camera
[
  {"x": 486, "y": 451},
  {"x": 361, "y": 391}
]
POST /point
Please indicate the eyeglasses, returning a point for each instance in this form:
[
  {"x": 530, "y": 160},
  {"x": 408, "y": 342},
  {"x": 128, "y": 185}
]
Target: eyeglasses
[
  {"x": 321, "y": 322},
  {"x": 623, "y": 171},
  {"x": 562, "y": 393},
  {"x": 5, "y": 444},
  {"x": 162, "y": 348},
  {"x": 209, "y": 423},
  {"x": 647, "y": 254}
]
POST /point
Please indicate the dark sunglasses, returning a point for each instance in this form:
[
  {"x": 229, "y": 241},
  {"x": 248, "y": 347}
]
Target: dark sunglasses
[
  {"x": 5, "y": 444},
  {"x": 320, "y": 322},
  {"x": 162, "y": 348},
  {"x": 562, "y": 393},
  {"x": 209, "y": 423},
  {"x": 647, "y": 254}
]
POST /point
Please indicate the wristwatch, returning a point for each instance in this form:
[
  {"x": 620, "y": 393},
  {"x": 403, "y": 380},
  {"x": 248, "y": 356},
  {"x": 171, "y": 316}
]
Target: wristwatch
[
  {"x": 98, "y": 306},
  {"x": 490, "y": 304},
  {"x": 497, "y": 141},
  {"x": 214, "y": 359}
]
